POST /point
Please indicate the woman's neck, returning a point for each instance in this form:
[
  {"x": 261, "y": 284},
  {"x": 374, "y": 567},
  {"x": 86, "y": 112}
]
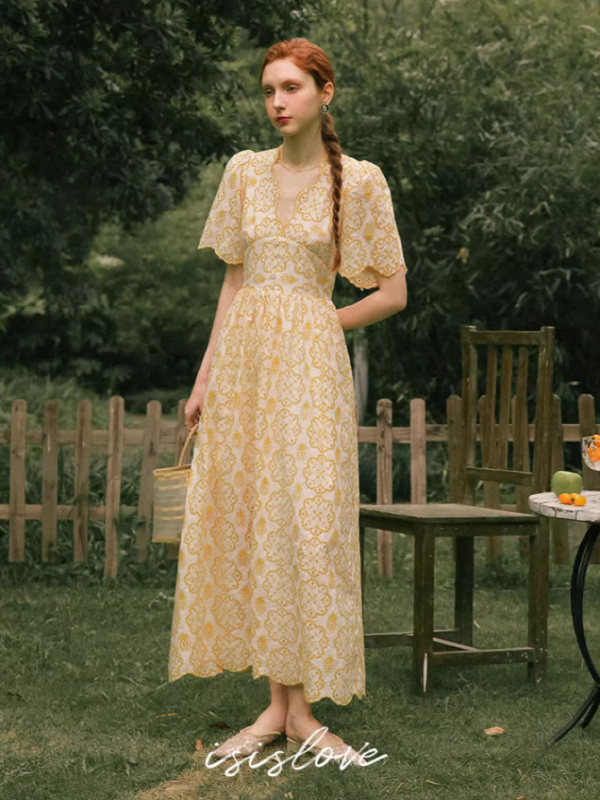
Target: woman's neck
[{"x": 302, "y": 154}]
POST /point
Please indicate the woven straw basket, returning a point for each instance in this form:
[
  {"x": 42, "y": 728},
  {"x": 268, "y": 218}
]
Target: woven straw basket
[{"x": 170, "y": 489}]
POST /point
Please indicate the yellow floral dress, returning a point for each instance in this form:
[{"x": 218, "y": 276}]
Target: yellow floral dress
[{"x": 268, "y": 575}]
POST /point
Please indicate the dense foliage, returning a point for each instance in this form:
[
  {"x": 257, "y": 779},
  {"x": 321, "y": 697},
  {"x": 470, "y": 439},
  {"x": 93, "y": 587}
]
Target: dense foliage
[
  {"x": 482, "y": 115},
  {"x": 109, "y": 109}
]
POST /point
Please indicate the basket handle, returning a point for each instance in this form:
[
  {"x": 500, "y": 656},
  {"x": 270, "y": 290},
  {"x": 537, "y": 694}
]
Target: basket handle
[{"x": 187, "y": 441}]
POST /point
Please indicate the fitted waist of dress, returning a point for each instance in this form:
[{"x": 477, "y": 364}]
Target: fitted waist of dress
[
  {"x": 308, "y": 289},
  {"x": 277, "y": 264}
]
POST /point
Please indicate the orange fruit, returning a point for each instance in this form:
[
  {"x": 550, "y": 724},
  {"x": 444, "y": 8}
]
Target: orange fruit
[
  {"x": 565, "y": 498},
  {"x": 579, "y": 500},
  {"x": 593, "y": 451}
]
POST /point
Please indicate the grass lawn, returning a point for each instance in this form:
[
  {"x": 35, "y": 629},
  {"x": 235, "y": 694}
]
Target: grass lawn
[{"x": 86, "y": 711}]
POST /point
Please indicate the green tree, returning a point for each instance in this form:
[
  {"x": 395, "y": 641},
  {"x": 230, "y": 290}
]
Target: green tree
[
  {"x": 108, "y": 111},
  {"x": 483, "y": 116}
]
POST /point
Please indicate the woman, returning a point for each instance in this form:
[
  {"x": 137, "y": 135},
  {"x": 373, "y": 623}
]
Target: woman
[{"x": 269, "y": 563}]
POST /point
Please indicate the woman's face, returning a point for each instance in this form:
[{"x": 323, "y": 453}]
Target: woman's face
[{"x": 292, "y": 93}]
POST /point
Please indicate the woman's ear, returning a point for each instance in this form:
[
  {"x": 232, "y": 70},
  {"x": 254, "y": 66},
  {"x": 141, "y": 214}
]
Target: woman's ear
[{"x": 328, "y": 91}]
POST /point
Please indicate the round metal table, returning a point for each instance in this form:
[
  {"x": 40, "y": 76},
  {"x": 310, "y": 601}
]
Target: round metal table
[{"x": 548, "y": 504}]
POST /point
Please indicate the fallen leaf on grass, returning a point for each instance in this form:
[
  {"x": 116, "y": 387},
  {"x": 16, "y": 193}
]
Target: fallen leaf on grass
[
  {"x": 493, "y": 731},
  {"x": 198, "y": 744},
  {"x": 434, "y": 782},
  {"x": 168, "y": 714}
]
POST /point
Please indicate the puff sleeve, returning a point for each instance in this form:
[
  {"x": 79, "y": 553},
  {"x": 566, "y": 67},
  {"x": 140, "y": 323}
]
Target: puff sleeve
[
  {"x": 370, "y": 237},
  {"x": 223, "y": 226}
]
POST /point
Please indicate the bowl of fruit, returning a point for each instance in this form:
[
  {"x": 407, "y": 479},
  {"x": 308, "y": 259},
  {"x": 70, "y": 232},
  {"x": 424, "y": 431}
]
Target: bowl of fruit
[{"x": 590, "y": 450}]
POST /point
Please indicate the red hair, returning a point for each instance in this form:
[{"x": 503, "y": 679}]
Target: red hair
[{"x": 312, "y": 59}]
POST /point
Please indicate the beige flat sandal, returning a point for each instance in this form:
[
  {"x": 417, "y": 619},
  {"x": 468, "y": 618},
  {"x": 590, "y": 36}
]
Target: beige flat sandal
[
  {"x": 340, "y": 751},
  {"x": 245, "y": 743}
]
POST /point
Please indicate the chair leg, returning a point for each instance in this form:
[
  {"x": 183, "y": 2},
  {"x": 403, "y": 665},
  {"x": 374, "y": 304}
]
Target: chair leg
[
  {"x": 463, "y": 588},
  {"x": 539, "y": 551},
  {"x": 424, "y": 565}
]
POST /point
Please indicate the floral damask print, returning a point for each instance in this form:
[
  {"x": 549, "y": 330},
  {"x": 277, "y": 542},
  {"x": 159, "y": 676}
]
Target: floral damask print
[{"x": 268, "y": 577}]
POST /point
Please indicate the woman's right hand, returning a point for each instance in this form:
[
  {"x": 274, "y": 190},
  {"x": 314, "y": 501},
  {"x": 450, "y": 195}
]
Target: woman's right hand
[{"x": 193, "y": 407}]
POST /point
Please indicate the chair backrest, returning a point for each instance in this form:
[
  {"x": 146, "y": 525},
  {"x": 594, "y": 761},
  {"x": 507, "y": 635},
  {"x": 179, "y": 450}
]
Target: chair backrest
[{"x": 494, "y": 435}]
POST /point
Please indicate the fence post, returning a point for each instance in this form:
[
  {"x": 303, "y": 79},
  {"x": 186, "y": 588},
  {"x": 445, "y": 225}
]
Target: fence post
[
  {"x": 81, "y": 501},
  {"x": 150, "y": 445},
  {"x": 114, "y": 468},
  {"x": 49, "y": 480},
  {"x": 16, "y": 542}
]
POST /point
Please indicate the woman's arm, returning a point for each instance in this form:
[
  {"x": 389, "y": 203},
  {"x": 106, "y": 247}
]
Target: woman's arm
[
  {"x": 387, "y": 300},
  {"x": 233, "y": 281}
]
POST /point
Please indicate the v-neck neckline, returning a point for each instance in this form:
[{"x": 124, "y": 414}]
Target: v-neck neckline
[{"x": 277, "y": 153}]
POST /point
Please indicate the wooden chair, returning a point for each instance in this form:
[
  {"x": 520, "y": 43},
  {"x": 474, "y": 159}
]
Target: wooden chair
[{"x": 463, "y": 519}]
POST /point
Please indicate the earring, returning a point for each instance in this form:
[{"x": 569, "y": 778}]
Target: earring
[{"x": 325, "y": 108}]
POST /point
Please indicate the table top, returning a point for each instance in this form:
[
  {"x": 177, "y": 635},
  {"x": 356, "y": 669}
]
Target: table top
[{"x": 548, "y": 504}]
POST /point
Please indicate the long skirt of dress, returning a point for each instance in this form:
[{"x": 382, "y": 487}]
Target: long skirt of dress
[{"x": 268, "y": 575}]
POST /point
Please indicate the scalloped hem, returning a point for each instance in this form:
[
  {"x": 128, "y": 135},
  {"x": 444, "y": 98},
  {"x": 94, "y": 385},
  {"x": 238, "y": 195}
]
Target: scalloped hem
[
  {"x": 220, "y": 253},
  {"x": 250, "y": 670},
  {"x": 365, "y": 279}
]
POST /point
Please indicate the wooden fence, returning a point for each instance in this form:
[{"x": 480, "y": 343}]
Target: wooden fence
[{"x": 158, "y": 436}]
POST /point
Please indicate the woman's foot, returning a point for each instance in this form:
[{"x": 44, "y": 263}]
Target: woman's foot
[
  {"x": 271, "y": 719},
  {"x": 266, "y": 729},
  {"x": 301, "y": 728}
]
